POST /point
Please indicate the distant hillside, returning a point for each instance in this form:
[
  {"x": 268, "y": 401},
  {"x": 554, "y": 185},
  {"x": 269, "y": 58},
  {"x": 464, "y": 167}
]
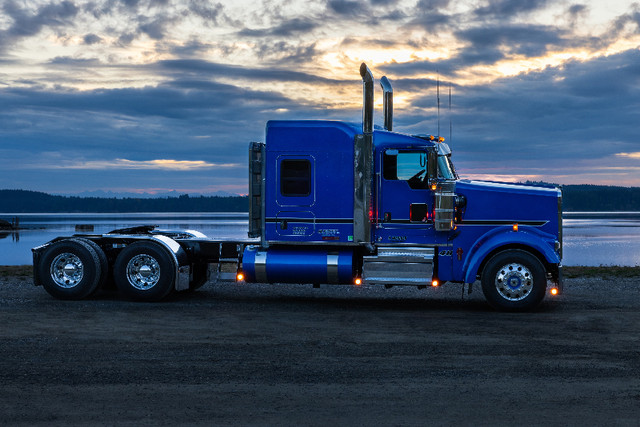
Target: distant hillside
[
  {"x": 600, "y": 198},
  {"x": 21, "y": 201},
  {"x": 575, "y": 198}
]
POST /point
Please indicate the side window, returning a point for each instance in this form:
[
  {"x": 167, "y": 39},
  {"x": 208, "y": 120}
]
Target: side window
[
  {"x": 406, "y": 166},
  {"x": 295, "y": 177}
]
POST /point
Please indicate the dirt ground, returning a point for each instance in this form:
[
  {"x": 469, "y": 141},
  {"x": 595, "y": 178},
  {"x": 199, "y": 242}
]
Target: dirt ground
[{"x": 288, "y": 355}]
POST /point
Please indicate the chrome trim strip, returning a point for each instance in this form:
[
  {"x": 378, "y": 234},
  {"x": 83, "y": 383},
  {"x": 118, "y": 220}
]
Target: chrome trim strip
[
  {"x": 532, "y": 223},
  {"x": 310, "y": 220}
]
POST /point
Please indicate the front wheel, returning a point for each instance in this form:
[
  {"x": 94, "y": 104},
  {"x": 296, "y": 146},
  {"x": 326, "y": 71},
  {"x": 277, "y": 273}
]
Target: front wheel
[
  {"x": 514, "y": 280},
  {"x": 144, "y": 271}
]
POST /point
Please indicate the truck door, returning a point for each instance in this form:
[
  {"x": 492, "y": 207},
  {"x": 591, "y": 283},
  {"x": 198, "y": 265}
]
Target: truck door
[{"x": 404, "y": 200}]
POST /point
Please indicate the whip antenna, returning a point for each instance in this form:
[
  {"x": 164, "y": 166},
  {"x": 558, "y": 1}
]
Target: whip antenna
[
  {"x": 450, "y": 125},
  {"x": 438, "y": 100}
]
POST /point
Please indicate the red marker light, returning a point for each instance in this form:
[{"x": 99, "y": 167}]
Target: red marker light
[
  {"x": 240, "y": 277},
  {"x": 435, "y": 283},
  {"x": 357, "y": 281}
]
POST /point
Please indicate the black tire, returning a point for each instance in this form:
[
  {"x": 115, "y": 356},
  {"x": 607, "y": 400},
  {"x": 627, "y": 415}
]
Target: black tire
[
  {"x": 514, "y": 280},
  {"x": 200, "y": 276},
  {"x": 102, "y": 257},
  {"x": 144, "y": 271},
  {"x": 70, "y": 269}
]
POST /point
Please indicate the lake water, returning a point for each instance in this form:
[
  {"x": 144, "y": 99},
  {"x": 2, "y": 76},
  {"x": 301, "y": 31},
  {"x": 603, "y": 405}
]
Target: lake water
[{"x": 590, "y": 238}]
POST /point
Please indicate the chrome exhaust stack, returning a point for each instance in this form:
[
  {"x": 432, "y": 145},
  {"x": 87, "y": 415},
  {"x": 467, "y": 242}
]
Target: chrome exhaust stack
[
  {"x": 367, "y": 101},
  {"x": 387, "y": 100}
]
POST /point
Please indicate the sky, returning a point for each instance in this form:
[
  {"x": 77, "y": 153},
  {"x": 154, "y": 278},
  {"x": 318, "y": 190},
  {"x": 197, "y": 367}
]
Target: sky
[{"x": 151, "y": 96}]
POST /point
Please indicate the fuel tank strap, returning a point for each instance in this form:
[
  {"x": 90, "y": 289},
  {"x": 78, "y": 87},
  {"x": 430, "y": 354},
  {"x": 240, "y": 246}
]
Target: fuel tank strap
[
  {"x": 332, "y": 267},
  {"x": 260, "y": 266}
]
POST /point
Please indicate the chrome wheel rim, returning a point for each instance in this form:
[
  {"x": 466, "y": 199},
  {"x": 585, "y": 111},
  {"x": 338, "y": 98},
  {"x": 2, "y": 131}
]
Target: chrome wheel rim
[
  {"x": 67, "y": 270},
  {"x": 514, "y": 282},
  {"x": 143, "y": 272}
]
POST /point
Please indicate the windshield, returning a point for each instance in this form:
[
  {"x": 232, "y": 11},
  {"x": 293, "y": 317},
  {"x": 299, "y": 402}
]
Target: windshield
[{"x": 445, "y": 168}]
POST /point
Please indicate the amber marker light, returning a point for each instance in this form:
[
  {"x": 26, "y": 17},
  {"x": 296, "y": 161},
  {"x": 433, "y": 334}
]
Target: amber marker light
[
  {"x": 515, "y": 227},
  {"x": 357, "y": 281},
  {"x": 240, "y": 277},
  {"x": 433, "y": 187},
  {"x": 554, "y": 291},
  {"x": 435, "y": 283}
]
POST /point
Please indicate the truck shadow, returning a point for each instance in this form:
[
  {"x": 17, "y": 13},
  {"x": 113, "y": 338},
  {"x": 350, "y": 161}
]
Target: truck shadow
[
  {"x": 306, "y": 299},
  {"x": 380, "y": 302}
]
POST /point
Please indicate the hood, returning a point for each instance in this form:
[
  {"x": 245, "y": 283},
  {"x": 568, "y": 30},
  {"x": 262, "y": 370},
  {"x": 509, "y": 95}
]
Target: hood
[{"x": 492, "y": 202}]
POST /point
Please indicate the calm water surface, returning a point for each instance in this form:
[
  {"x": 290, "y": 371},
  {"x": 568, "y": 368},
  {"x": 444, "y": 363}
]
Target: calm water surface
[{"x": 590, "y": 238}]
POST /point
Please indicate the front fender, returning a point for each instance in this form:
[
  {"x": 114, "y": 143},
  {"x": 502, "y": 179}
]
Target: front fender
[{"x": 526, "y": 236}]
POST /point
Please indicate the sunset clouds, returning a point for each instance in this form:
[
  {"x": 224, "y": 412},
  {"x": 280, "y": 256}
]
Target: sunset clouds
[{"x": 542, "y": 89}]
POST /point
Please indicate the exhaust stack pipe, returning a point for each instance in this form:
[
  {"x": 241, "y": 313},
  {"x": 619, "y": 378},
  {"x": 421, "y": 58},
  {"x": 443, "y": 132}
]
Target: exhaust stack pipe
[
  {"x": 387, "y": 100},
  {"x": 367, "y": 101}
]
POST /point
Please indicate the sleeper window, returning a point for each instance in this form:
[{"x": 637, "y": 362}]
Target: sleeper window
[{"x": 295, "y": 178}]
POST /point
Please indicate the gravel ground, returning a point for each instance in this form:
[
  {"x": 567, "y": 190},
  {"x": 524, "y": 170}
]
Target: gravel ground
[{"x": 288, "y": 355}]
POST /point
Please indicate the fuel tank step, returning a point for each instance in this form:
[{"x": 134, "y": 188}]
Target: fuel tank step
[{"x": 399, "y": 266}]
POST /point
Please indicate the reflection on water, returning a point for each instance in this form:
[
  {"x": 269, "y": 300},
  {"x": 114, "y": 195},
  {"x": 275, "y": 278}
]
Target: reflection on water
[
  {"x": 590, "y": 238},
  {"x": 36, "y": 229},
  {"x": 602, "y": 238},
  {"x": 15, "y": 235}
]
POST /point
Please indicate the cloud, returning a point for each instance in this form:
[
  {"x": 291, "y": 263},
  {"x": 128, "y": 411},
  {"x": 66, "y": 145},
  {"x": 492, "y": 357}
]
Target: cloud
[
  {"x": 635, "y": 155},
  {"x": 577, "y": 12},
  {"x": 180, "y": 99},
  {"x": 521, "y": 39},
  {"x": 156, "y": 28},
  {"x": 347, "y": 7},
  {"x": 26, "y": 22},
  {"x": 505, "y": 9},
  {"x": 560, "y": 115},
  {"x": 210, "y": 13},
  {"x": 91, "y": 39},
  {"x": 213, "y": 69},
  {"x": 160, "y": 164},
  {"x": 287, "y": 28}
]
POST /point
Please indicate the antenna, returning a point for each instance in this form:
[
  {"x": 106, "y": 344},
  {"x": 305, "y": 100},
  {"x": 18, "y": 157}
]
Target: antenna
[
  {"x": 450, "y": 125},
  {"x": 438, "y": 99}
]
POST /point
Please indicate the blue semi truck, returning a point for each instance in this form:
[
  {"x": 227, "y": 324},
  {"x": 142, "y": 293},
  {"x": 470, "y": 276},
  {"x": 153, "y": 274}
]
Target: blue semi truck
[{"x": 339, "y": 203}]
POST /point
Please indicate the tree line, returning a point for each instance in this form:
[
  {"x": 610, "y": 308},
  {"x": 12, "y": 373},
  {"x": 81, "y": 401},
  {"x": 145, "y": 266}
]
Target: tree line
[
  {"x": 23, "y": 201},
  {"x": 597, "y": 198}
]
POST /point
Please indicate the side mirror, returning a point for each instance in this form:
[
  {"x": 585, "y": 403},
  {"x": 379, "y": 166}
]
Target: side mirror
[{"x": 432, "y": 165}]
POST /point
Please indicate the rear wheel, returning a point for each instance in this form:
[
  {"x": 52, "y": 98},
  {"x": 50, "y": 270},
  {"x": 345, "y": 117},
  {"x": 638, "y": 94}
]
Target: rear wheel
[
  {"x": 144, "y": 271},
  {"x": 514, "y": 280},
  {"x": 70, "y": 269},
  {"x": 102, "y": 258}
]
